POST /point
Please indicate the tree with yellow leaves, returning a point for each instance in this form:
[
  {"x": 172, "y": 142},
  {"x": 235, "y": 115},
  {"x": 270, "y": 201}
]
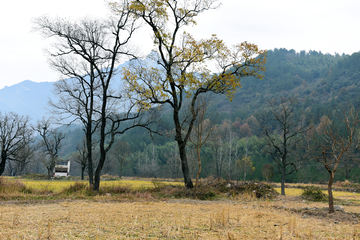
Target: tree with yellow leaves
[{"x": 181, "y": 63}]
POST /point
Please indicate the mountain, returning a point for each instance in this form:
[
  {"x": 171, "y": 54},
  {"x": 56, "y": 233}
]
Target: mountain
[
  {"x": 31, "y": 98},
  {"x": 319, "y": 81},
  {"x": 27, "y": 98},
  {"x": 316, "y": 79}
]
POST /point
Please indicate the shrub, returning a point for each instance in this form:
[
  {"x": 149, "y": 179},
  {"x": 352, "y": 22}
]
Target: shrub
[
  {"x": 76, "y": 187},
  {"x": 157, "y": 183},
  {"x": 314, "y": 194},
  {"x": 11, "y": 186},
  {"x": 35, "y": 176}
]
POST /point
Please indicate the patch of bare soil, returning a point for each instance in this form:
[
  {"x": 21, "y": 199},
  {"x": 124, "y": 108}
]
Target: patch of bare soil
[
  {"x": 336, "y": 217},
  {"x": 305, "y": 209}
]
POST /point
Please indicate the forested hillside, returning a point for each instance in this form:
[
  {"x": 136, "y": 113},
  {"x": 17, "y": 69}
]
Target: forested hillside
[{"x": 320, "y": 82}]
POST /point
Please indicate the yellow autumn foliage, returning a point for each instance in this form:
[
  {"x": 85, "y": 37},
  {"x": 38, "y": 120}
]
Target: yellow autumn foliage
[{"x": 181, "y": 63}]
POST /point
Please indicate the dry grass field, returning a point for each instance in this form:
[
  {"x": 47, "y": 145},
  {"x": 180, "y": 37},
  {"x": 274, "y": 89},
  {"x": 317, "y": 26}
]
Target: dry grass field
[
  {"x": 144, "y": 217},
  {"x": 58, "y": 185},
  {"x": 177, "y": 219}
]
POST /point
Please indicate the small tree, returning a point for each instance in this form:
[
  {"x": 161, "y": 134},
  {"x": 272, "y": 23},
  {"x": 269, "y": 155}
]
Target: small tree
[
  {"x": 201, "y": 132},
  {"x": 217, "y": 146},
  {"x": 120, "y": 152},
  {"x": 81, "y": 156},
  {"x": 24, "y": 157},
  {"x": 283, "y": 126},
  {"x": 268, "y": 172},
  {"x": 15, "y": 137},
  {"x": 232, "y": 153},
  {"x": 49, "y": 144},
  {"x": 173, "y": 160},
  {"x": 331, "y": 140},
  {"x": 245, "y": 165}
]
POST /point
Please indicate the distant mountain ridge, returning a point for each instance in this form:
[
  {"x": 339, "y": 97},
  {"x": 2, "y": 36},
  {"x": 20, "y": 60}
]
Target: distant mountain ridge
[
  {"x": 27, "y": 98},
  {"x": 31, "y": 98},
  {"x": 316, "y": 79}
]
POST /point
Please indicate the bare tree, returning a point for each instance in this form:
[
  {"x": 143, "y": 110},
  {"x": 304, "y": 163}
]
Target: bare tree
[
  {"x": 349, "y": 163},
  {"x": 267, "y": 171},
  {"x": 25, "y": 156},
  {"x": 49, "y": 144},
  {"x": 121, "y": 151},
  {"x": 217, "y": 146},
  {"x": 232, "y": 153},
  {"x": 148, "y": 161},
  {"x": 173, "y": 161},
  {"x": 283, "y": 126},
  {"x": 87, "y": 52},
  {"x": 15, "y": 135},
  {"x": 201, "y": 131},
  {"x": 332, "y": 140},
  {"x": 245, "y": 163},
  {"x": 81, "y": 156}
]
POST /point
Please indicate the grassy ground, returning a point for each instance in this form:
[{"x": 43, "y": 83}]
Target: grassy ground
[
  {"x": 137, "y": 214},
  {"x": 163, "y": 220},
  {"x": 337, "y": 194},
  {"x": 59, "y": 185}
]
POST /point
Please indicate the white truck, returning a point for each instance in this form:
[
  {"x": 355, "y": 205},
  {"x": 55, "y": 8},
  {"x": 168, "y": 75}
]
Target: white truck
[{"x": 62, "y": 169}]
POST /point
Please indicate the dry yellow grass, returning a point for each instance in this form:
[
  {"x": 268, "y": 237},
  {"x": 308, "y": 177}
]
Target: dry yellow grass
[
  {"x": 58, "y": 185},
  {"x": 337, "y": 194},
  {"x": 109, "y": 217},
  {"x": 162, "y": 220}
]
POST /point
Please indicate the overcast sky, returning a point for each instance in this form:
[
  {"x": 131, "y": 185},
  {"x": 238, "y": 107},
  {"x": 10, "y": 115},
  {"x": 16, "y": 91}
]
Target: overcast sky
[{"x": 328, "y": 26}]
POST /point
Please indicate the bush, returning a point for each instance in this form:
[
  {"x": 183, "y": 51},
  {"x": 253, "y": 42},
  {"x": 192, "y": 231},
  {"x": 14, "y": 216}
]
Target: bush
[
  {"x": 314, "y": 194},
  {"x": 35, "y": 176},
  {"x": 12, "y": 186},
  {"x": 157, "y": 183},
  {"x": 76, "y": 187}
]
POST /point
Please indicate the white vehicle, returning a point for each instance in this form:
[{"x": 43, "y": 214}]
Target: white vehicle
[{"x": 62, "y": 169}]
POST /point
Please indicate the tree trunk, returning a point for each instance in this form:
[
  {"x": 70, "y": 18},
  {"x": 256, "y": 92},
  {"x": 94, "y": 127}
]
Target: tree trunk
[
  {"x": 3, "y": 162},
  {"x": 331, "y": 199},
  {"x": 89, "y": 152},
  {"x": 283, "y": 179},
  {"x": 184, "y": 165},
  {"x": 22, "y": 168},
  {"x": 50, "y": 172},
  {"x": 82, "y": 173},
  {"x": 199, "y": 171},
  {"x": 121, "y": 167},
  {"x": 102, "y": 142},
  {"x": 99, "y": 168}
]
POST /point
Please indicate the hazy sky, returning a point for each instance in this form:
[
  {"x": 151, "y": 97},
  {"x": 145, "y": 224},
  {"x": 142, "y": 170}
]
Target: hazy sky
[{"x": 323, "y": 25}]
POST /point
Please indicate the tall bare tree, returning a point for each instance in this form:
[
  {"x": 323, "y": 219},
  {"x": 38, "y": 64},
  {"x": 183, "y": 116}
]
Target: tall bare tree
[
  {"x": 87, "y": 52},
  {"x": 332, "y": 139},
  {"x": 283, "y": 125},
  {"x": 50, "y": 143},
  {"x": 15, "y": 135}
]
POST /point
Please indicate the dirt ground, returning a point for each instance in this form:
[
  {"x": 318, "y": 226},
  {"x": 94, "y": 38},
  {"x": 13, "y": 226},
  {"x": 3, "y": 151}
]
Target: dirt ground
[{"x": 306, "y": 209}]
